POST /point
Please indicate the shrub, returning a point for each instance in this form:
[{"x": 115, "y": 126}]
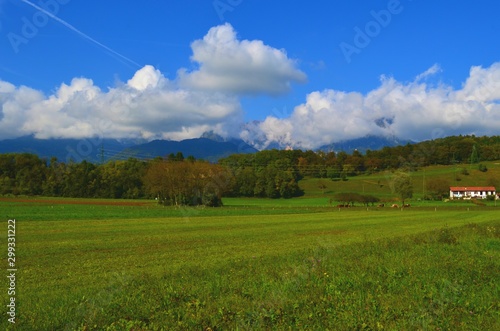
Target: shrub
[
  {"x": 482, "y": 167},
  {"x": 211, "y": 200}
]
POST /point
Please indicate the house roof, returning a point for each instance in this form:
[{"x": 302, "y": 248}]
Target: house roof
[{"x": 472, "y": 188}]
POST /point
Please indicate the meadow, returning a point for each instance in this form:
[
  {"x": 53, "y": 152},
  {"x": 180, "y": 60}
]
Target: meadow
[
  {"x": 254, "y": 264},
  {"x": 259, "y": 264}
]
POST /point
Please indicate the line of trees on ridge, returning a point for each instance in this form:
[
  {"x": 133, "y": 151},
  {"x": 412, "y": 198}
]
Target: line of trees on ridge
[{"x": 270, "y": 173}]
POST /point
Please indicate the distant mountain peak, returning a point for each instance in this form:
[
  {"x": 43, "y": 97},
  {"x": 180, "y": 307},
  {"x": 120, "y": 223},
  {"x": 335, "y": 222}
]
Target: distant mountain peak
[{"x": 213, "y": 136}]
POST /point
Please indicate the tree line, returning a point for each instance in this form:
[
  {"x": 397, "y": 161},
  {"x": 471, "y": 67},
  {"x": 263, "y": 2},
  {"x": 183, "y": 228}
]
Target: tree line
[
  {"x": 269, "y": 173},
  {"x": 172, "y": 180},
  {"x": 27, "y": 174}
]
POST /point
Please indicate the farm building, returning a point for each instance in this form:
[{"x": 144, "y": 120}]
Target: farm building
[{"x": 472, "y": 192}]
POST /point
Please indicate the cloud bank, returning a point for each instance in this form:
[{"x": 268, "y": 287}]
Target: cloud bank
[
  {"x": 414, "y": 110},
  {"x": 147, "y": 106}
]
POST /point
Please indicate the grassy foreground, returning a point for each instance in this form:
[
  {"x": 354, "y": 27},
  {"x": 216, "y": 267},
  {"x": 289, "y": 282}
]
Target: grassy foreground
[{"x": 132, "y": 268}]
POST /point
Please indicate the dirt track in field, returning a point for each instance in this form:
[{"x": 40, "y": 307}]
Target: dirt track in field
[{"x": 76, "y": 202}]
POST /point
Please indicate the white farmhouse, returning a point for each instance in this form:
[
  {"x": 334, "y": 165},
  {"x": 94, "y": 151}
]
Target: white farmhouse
[{"x": 472, "y": 192}]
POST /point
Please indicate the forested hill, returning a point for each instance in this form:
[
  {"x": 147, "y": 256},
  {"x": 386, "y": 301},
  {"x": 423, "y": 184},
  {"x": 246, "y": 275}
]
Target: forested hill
[
  {"x": 444, "y": 151},
  {"x": 363, "y": 144},
  {"x": 265, "y": 173},
  {"x": 269, "y": 173}
]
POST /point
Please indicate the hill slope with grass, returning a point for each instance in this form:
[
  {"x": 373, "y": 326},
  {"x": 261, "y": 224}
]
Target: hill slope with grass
[{"x": 378, "y": 184}]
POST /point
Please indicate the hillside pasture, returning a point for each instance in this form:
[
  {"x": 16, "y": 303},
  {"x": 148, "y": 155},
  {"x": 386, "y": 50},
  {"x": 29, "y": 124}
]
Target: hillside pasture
[{"x": 378, "y": 184}]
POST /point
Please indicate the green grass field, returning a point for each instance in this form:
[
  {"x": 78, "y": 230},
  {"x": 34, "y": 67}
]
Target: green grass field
[
  {"x": 260, "y": 264},
  {"x": 254, "y": 264}
]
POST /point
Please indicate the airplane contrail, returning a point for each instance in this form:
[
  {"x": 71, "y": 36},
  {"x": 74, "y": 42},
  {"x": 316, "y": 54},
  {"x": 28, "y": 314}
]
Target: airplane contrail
[{"x": 72, "y": 28}]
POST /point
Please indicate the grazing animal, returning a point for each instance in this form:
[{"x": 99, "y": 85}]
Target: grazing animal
[
  {"x": 407, "y": 205},
  {"x": 395, "y": 206},
  {"x": 381, "y": 205},
  {"x": 342, "y": 206}
]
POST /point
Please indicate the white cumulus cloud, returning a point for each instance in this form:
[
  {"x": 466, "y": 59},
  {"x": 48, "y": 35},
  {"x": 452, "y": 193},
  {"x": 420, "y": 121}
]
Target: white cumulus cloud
[
  {"x": 242, "y": 67},
  {"x": 147, "y": 77},
  {"x": 148, "y": 106}
]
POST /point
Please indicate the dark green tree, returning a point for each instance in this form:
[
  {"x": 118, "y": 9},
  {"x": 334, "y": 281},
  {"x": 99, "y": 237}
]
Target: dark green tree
[{"x": 245, "y": 182}]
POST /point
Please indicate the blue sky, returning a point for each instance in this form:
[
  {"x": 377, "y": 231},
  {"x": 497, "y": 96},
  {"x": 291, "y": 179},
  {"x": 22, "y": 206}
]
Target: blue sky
[{"x": 310, "y": 72}]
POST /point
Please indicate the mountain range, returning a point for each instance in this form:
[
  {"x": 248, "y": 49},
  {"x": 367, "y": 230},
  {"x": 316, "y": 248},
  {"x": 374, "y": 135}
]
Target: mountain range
[
  {"x": 209, "y": 146},
  {"x": 201, "y": 148},
  {"x": 65, "y": 150}
]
